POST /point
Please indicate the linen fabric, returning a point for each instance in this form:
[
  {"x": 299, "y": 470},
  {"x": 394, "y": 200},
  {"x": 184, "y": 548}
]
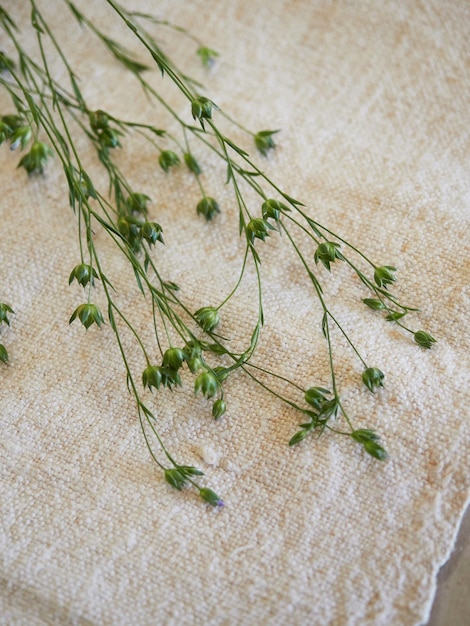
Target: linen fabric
[{"x": 371, "y": 100}]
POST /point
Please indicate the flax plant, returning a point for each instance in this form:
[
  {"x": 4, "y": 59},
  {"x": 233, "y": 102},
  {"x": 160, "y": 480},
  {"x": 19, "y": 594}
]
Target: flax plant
[{"x": 45, "y": 119}]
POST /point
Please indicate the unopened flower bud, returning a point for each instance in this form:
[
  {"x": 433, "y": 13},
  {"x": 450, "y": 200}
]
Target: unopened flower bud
[
  {"x": 298, "y": 437},
  {"x": 99, "y": 120}
]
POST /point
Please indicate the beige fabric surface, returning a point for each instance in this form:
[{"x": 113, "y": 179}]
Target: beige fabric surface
[{"x": 372, "y": 99}]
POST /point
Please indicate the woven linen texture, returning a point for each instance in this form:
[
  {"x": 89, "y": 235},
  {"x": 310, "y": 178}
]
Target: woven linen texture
[{"x": 372, "y": 99}]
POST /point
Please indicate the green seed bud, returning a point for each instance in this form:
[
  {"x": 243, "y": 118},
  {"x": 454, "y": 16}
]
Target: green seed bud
[
  {"x": 192, "y": 164},
  {"x": 3, "y": 354},
  {"x": 36, "y": 159},
  {"x": 298, "y": 437},
  {"x": 264, "y": 141},
  {"x": 174, "y": 358},
  {"x": 207, "y": 207},
  {"x": 373, "y": 378},
  {"x": 4, "y": 310},
  {"x": 168, "y": 159},
  {"x": 21, "y": 137},
  {"x": 175, "y": 478},
  {"x": 88, "y": 314},
  {"x": 218, "y": 408},
  {"x": 384, "y": 275},
  {"x": 210, "y": 497},
  {"x": 207, "y": 318},
  {"x": 137, "y": 203},
  {"x": 207, "y": 384},
  {"x": 327, "y": 252},
  {"x": 201, "y": 108},
  {"x": 152, "y": 232},
  {"x": 423, "y": 339},
  {"x": 257, "y": 229},
  {"x": 272, "y": 209},
  {"x": 152, "y": 377},
  {"x": 83, "y": 274}
]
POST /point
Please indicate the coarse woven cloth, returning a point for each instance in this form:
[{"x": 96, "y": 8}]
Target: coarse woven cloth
[{"x": 372, "y": 102}]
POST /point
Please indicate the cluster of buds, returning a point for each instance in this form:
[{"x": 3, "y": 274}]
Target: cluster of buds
[
  {"x": 207, "y": 382},
  {"x": 16, "y": 129},
  {"x": 179, "y": 476},
  {"x": 107, "y": 136},
  {"x": 166, "y": 374},
  {"x": 324, "y": 409},
  {"x": 135, "y": 230},
  {"x": 369, "y": 439}
]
